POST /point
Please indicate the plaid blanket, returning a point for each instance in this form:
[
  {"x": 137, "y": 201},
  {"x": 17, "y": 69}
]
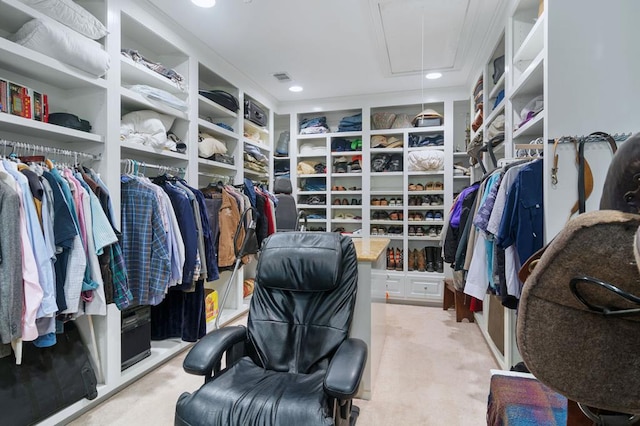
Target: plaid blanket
[{"x": 521, "y": 401}]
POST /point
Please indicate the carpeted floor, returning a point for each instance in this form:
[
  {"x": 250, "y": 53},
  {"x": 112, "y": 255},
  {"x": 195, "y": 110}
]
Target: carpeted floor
[{"x": 433, "y": 371}]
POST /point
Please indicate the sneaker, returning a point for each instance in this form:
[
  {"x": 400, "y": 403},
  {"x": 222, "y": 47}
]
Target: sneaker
[
  {"x": 437, "y": 216},
  {"x": 426, "y": 200},
  {"x": 412, "y": 231},
  {"x": 429, "y": 215},
  {"x": 433, "y": 232}
]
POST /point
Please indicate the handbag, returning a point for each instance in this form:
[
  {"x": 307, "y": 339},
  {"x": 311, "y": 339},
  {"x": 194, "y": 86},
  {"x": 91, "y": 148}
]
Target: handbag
[
  {"x": 70, "y": 121},
  {"x": 222, "y": 98},
  {"x": 254, "y": 113}
]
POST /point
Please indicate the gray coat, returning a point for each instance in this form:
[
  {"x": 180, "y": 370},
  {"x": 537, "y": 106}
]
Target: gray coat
[{"x": 10, "y": 267}]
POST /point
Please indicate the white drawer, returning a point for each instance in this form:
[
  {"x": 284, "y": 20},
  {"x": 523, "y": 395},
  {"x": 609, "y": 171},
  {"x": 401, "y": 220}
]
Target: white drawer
[
  {"x": 424, "y": 288},
  {"x": 395, "y": 285}
]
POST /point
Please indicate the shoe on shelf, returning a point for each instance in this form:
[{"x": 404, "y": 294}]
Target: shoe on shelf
[
  {"x": 375, "y": 202},
  {"x": 429, "y": 215},
  {"x": 426, "y": 200},
  {"x": 391, "y": 262},
  {"x": 382, "y": 230},
  {"x": 392, "y": 202},
  {"x": 438, "y": 186},
  {"x": 420, "y": 231},
  {"x": 345, "y": 202},
  {"x": 437, "y": 200},
  {"x": 399, "y": 263},
  {"x": 398, "y": 202},
  {"x": 433, "y": 232},
  {"x": 412, "y": 201},
  {"x": 419, "y": 187},
  {"x": 437, "y": 215},
  {"x": 374, "y": 230},
  {"x": 429, "y": 186},
  {"x": 420, "y": 260},
  {"x": 384, "y": 202},
  {"x": 412, "y": 187},
  {"x": 336, "y": 202},
  {"x": 412, "y": 231}
]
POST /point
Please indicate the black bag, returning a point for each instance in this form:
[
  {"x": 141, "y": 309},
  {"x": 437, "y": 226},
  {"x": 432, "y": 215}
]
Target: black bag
[
  {"x": 254, "y": 113},
  {"x": 222, "y": 98},
  {"x": 48, "y": 380},
  {"x": 69, "y": 120}
]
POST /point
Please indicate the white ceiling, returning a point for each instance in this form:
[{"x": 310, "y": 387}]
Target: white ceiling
[{"x": 339, "y": 48}]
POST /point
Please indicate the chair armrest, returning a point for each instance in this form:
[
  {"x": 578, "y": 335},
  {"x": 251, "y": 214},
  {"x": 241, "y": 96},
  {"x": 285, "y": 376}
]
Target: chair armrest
[
  {"x": 345, "y": 370},
  {"x": 207, "y": 353}
]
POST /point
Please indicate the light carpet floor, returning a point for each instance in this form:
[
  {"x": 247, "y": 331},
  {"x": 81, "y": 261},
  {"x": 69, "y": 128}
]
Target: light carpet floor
[{"x": 433, "y": 371}]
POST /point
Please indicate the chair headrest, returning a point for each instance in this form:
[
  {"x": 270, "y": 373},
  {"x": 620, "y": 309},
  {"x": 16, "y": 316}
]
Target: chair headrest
[
  {"x": 282, "y": 186},
  {"x": 301, "y": 261}
]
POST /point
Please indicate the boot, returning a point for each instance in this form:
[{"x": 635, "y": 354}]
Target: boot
[
  {"x": 391, "y": 264},
  {"x": 430, "y": 259},
  {"x": 399, "y": 263},
  {"x": 439, "y": 263},
  {"x": 420, "y": 260},
  {"x": 411, "y": 262}
]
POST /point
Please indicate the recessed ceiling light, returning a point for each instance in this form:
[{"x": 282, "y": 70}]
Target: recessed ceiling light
[
  {"x": 204, "y": 3},
  {"x": 433, "y": 75},
  {"x": 296, "y": 88}
]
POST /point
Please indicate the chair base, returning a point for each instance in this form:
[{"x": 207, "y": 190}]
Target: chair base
[{"x": 355, "y": 413}]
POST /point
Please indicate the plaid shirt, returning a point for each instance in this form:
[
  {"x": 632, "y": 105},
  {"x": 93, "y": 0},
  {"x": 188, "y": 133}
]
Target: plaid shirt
[{"x": 146, "y": 257}]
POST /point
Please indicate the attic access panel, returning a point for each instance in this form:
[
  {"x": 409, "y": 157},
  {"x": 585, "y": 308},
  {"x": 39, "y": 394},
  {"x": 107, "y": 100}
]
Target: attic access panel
[{"x": 400, "y": 31}]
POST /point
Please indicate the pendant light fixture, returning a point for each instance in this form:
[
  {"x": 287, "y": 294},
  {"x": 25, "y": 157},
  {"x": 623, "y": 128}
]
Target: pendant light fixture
[{"x": 204, "y": 3}]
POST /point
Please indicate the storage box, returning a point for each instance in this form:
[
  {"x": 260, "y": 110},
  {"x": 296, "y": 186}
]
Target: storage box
[{"x": 211, "y": 304}]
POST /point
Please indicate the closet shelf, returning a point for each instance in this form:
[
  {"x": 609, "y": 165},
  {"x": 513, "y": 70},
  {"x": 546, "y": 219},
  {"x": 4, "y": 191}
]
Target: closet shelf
[
  {"x": 496, "y": 112},
  {"x": 311, "y": 206},
  {"x": 304, "y": 176},
  {"x": 425, "y": 223},
  {"x": 426, "y": 148},
  {"x": 258, "y": 144},
  {"x": 215, "y": 164},
  {"x": 331, "y": 135},
  {"x": 386, "y": 174},
  {"x": 461, "y": 177},
  {"x": 251, "y": 125},
  {"x": 312, "y": 156},
  {"x": 215, "y": 129},
  {"x": 497, "y": 87},
  {"x": 346, "y": 207},
  {"x": 339, "y": 175},
  {"x": 208, "y": 107},
  {"x": 533, "y": 127},
  {"x": 31, "y": 64},
  {"x": 424, "y": 238},
  {"x": 425, "y": 208},
  {"x": 386, "y": 150},
  {"x": 346, "y": 153},
  {"x": 389, "y": 132},
  {"x": 318, "y": 193},
  {"x": 256, "y": 173},
  {"x": 38, "y": 129},
  {"x": 423, "y": 130},
  {"x": 147, "y": 151},
  {"x": 390, "y": 192},
  {"x": 532, "y": 44},
  {"x": 425, "y": 172},
  {"x": 531, "y": 81},
  {"x": 133, "y": 73},
  {"x": 133, "y": 101},
  {"x": 316, "y": 220}
]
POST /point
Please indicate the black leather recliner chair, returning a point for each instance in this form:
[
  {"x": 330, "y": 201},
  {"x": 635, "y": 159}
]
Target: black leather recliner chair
[{"x": 294, "y": 364}]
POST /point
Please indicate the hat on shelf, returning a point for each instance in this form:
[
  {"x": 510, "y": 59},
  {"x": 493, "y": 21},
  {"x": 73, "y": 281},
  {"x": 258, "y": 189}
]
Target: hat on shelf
[
  {"x": 427, "y": 115},
  {"x": 378, "y": 141},
  {"x": 393, "y": 142}
]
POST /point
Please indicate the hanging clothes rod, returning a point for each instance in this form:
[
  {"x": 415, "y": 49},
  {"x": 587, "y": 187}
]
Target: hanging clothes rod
[
  {"x": 23, "y": 146},
  {"x": 136, "y": 165}
]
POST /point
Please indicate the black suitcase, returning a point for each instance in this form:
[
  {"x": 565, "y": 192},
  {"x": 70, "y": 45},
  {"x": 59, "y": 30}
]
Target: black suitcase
[
  {"x": 254, "y": 113},
  {"x": 222, "y": 98}
]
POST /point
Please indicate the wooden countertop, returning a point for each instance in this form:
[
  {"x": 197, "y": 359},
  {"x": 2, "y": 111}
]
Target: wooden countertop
[{"x": 368, "y": 249}]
